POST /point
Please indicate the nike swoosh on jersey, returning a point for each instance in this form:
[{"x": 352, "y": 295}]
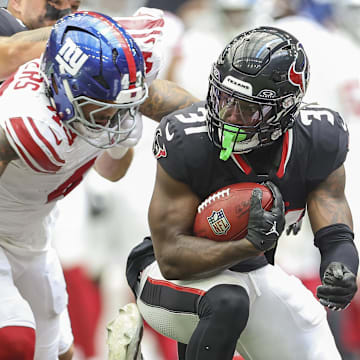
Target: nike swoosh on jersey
[
  {"x": 169, "y": 136},
  {"x": 58, "y": 142}
]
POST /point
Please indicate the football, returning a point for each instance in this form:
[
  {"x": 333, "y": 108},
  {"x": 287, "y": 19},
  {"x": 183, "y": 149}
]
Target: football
[{"x": 224, "y": 215}]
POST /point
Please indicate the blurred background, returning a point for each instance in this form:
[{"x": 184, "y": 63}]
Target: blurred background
[{"x": 99, "y": 222}]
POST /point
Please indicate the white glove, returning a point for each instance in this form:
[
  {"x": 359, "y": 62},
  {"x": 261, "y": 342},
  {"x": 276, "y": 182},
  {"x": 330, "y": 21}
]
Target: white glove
[
  {"x": 133, "y": 138},
  {"x": 130, "y": 140}
]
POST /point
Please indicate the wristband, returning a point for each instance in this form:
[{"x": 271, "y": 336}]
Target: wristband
[{"x": 117, "y": 152}]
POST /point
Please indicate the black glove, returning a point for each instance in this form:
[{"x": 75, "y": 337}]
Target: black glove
[
  {"x": 265, "y": 227},
  {"x": 339, "y": 287}
]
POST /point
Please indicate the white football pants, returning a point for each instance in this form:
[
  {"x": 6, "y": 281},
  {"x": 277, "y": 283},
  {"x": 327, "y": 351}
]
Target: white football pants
[{"x": 286, "y": 322}]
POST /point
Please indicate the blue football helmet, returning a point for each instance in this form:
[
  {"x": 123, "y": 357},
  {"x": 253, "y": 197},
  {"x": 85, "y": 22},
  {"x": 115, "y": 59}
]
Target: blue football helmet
[{"x": 92, "y": 68}]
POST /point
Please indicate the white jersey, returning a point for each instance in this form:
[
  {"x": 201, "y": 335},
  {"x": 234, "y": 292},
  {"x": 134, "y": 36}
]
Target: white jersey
[
  {"x": 52, "y": 160},
  {"x": 146, "y": 28}
]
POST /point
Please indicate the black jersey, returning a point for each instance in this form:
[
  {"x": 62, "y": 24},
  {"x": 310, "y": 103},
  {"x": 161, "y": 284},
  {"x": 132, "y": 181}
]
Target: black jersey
[
  {"x": 302, "y": 158},
  {"x": 9, "y": 25}
]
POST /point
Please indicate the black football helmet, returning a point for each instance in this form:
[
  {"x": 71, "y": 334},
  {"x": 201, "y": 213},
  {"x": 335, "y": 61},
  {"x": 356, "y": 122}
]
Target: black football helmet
[{"x": 255, "y": 90}]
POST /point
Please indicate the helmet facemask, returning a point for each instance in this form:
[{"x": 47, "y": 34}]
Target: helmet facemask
[
  {"x": 95, "y": 126},
  {"x": 239, "y": 124}
]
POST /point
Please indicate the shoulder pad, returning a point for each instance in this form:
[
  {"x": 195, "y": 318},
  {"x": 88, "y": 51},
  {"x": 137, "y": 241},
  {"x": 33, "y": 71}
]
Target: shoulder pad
[
  {"x": 326, "y": 140},
  {"x": 322, "y": 117}
]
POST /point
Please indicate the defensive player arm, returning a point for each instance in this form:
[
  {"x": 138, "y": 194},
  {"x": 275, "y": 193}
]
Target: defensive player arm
[
  {"x": 113, "y": 169},
  {"x": 164, "y": 98},
  {"x": 6, "y": 152},
  {"x": 20, "y": 48},
  {"x": 180, "y": 254},
  {"x": 327, "y": 204},
  {"x": 37, "y": 35}
]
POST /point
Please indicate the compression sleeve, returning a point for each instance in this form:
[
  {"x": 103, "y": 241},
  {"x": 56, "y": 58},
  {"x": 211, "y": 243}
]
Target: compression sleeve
[{"x": 336, "y": 243}]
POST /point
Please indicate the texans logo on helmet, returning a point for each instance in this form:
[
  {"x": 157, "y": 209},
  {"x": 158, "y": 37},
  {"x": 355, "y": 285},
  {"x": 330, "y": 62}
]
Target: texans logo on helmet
[{"x": 297, "y": 70}]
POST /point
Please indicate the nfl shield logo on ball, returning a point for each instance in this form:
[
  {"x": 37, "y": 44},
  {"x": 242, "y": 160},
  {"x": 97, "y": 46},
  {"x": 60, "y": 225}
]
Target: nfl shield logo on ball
[{"x": 218, "y": 222}]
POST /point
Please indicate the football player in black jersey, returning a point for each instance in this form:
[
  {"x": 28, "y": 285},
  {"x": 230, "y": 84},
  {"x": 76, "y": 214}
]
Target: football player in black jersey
[{"x": 221, "y": 297}]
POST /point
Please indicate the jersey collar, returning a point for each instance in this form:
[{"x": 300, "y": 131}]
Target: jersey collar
[{"x": 285, "y": 156}]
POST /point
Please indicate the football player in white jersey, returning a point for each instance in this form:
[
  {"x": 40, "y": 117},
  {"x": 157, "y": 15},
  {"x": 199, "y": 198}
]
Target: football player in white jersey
[{"x": 76, "y": 107}]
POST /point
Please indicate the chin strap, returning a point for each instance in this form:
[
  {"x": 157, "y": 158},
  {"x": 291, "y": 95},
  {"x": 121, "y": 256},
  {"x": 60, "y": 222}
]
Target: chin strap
[{"x": 230, "y": 135}]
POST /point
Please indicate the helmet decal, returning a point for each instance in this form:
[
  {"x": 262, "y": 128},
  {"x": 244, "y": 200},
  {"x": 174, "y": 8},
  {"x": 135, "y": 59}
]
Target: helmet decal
[
  {"x": 124, "y": 44},
  {"x": 297, "y": 77},
  {"x": 216, "y": 73},
  {"x": 238, "y": 85},
  {"x": 267, "y": 94},
  {"x": 70, "y": 58}
]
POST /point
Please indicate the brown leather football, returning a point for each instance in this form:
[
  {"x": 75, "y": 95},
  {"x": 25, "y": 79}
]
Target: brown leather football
[{"x": 224, "y": 215}]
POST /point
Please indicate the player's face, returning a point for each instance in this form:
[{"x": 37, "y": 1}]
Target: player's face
[
  {"x": 241, "y": 112},
  {"x": 40, "y": 13},
  {"x": 100, "y": 115}
]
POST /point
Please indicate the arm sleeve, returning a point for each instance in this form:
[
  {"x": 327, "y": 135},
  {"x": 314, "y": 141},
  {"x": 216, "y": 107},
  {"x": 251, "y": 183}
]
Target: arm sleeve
[{"x": 336, "y": 243}]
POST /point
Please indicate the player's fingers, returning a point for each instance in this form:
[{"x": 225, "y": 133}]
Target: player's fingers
[
  {"x": 336, "y": 269},
  {"x": 347, "y": 280},
  {"x": 326, "y": 291},
  {"x": 255, "y": 201},
  {"x": 278, "y": 200},
  {"x": 134, "y": 126},
  {"x": 332, "y": 305}
]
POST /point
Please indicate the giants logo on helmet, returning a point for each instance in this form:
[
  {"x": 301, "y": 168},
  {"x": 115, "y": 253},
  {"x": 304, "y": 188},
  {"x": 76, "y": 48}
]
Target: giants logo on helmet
[
  {"x": 297, "y": 70},
  {"x": 70, "y": 58}
]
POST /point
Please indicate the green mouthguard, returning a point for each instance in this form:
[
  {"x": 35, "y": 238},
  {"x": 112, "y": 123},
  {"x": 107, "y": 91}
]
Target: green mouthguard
[{"x": 229, "y": 137}]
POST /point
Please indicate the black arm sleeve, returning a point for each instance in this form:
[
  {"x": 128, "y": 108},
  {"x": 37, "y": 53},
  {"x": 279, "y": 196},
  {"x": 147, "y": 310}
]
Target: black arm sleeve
[{"x": 336, "y": 243}]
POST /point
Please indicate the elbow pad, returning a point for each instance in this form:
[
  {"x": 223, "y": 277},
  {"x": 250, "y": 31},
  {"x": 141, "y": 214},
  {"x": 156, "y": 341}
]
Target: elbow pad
[{"x": 336, "y": 243}]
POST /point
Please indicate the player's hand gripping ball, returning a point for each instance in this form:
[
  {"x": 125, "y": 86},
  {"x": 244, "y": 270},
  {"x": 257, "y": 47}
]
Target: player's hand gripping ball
[{"x": 224, "y": 215}]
